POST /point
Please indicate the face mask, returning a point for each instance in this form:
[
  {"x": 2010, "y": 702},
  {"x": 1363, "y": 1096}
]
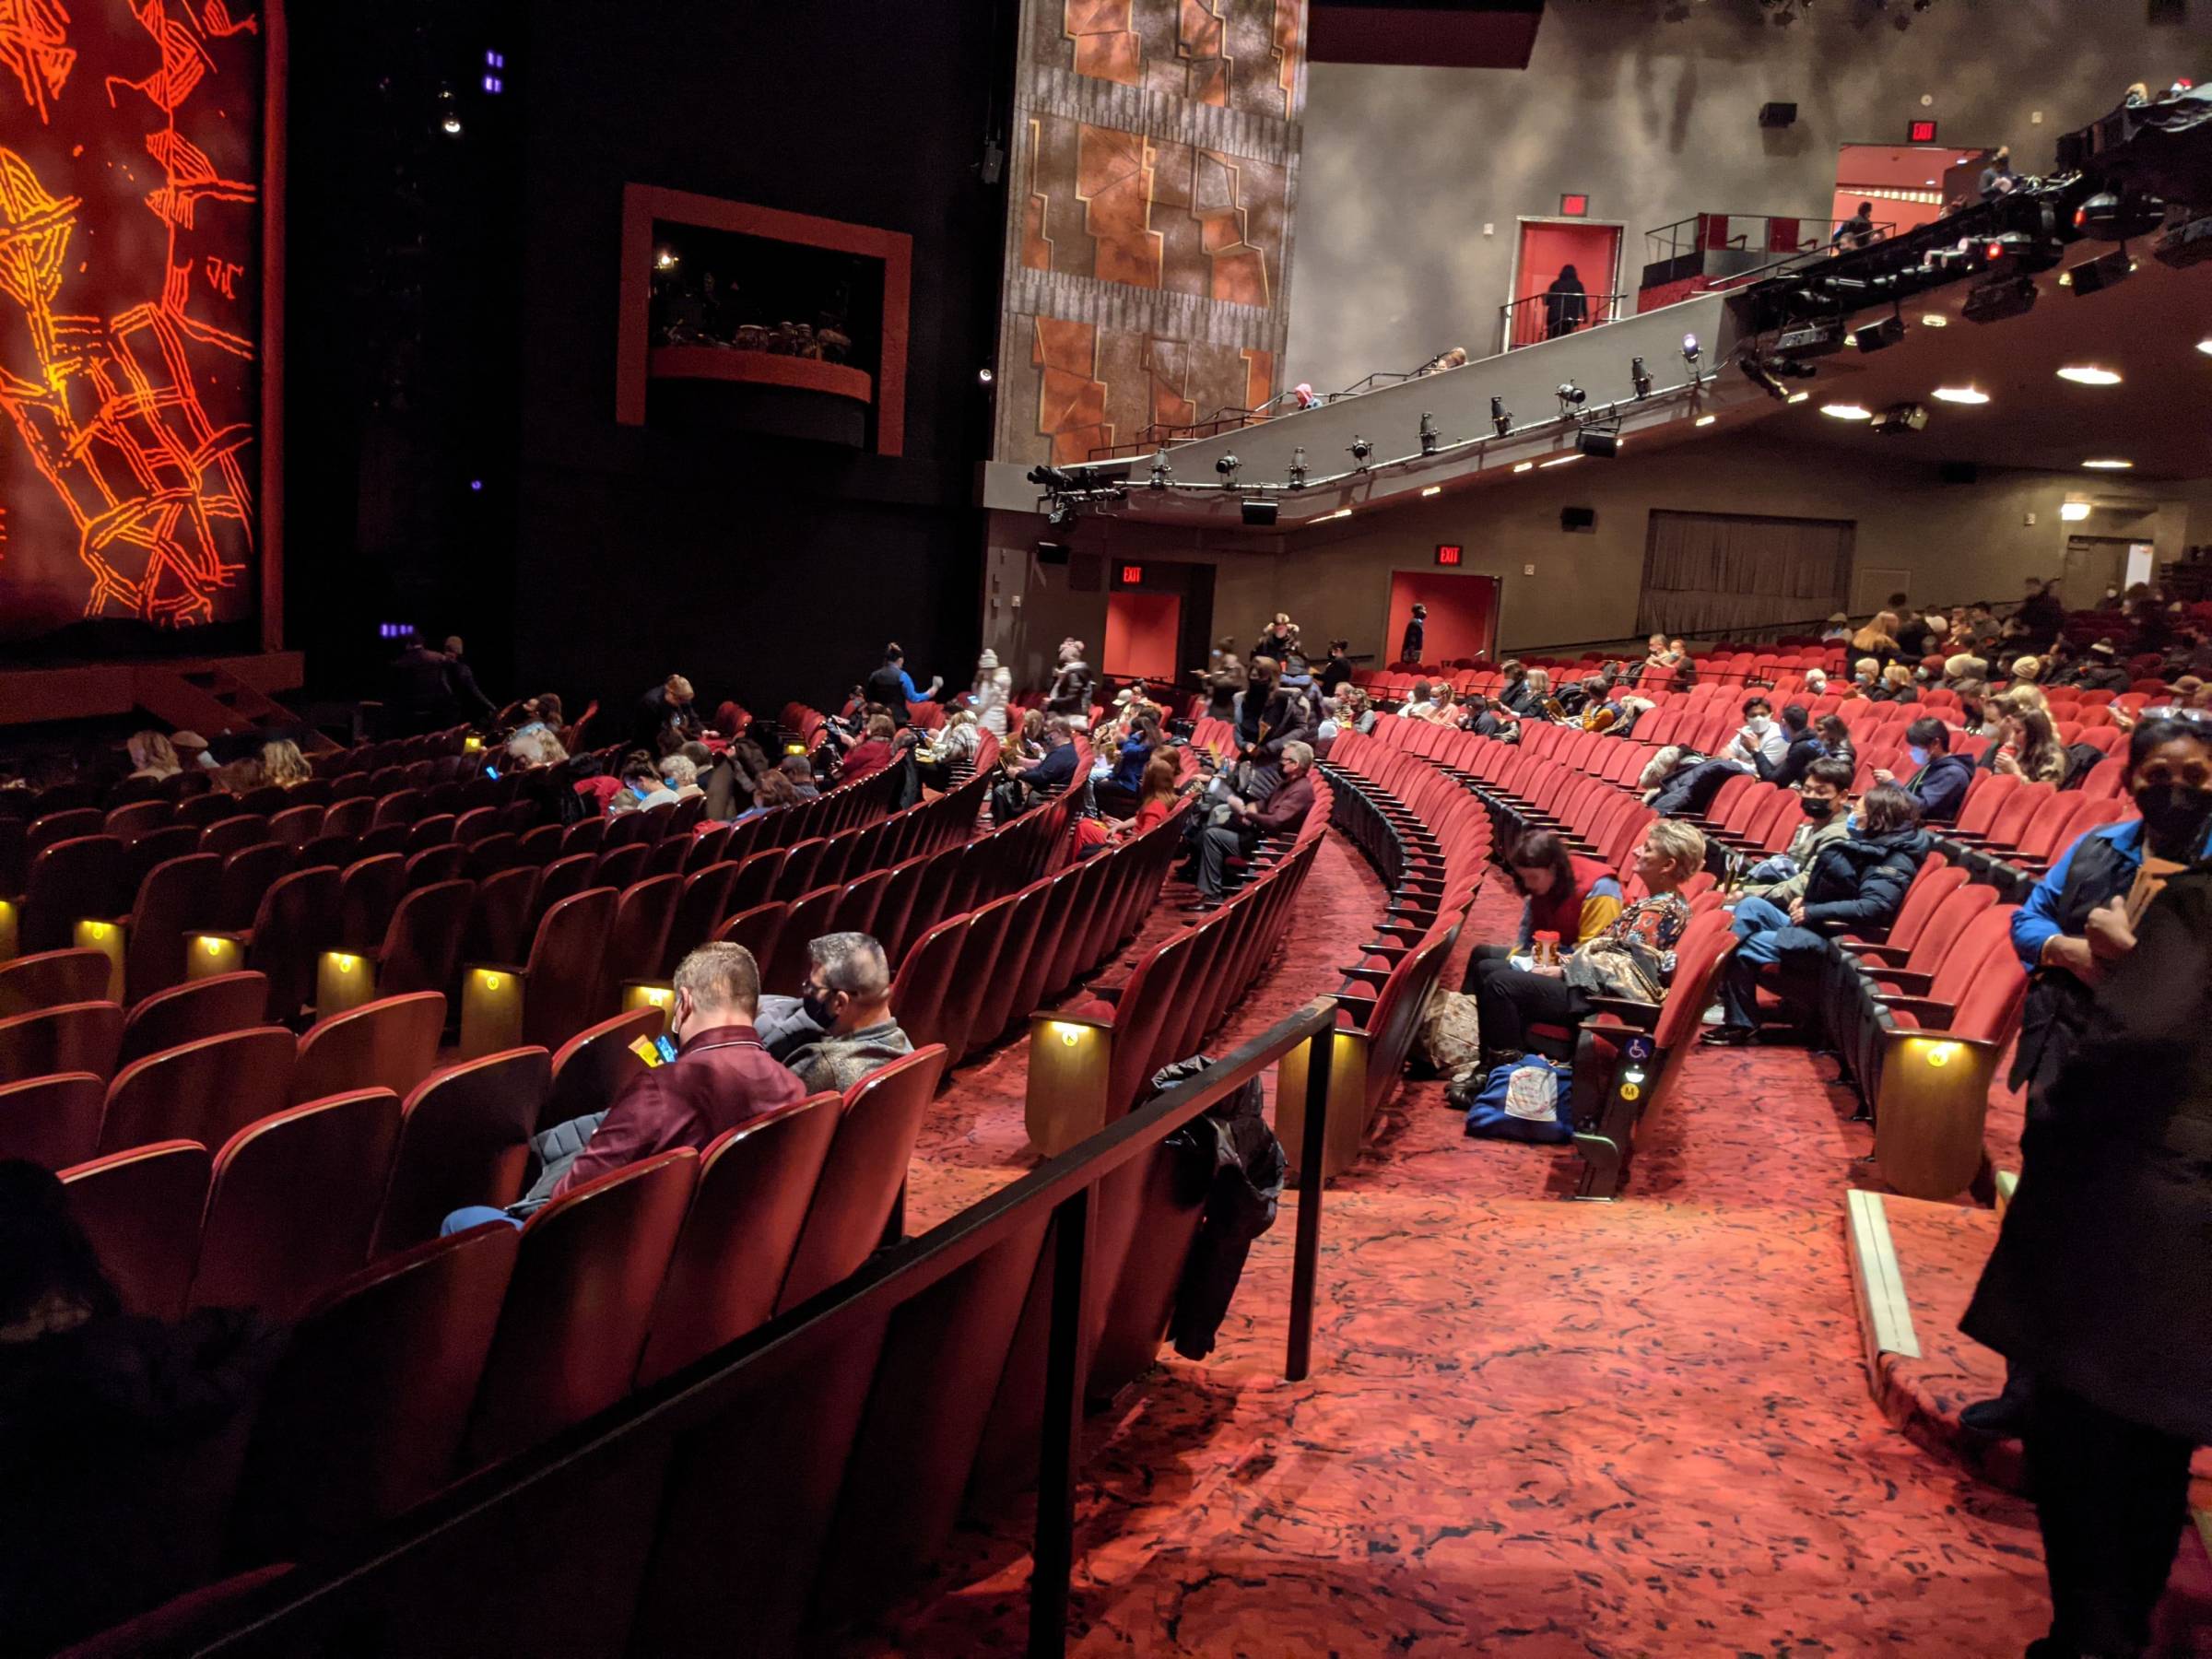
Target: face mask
[
  {"x": 816, "y": 1010},
  {"x": 2174, "y": 814},
  {"x": 1759, "y": 725},
  {"x": 1920, "y": 756},
  {"x": 1819, "y": 811}
]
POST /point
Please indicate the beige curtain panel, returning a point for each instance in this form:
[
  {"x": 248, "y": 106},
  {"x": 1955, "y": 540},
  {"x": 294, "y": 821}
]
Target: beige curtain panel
[{"x": 1717, "y": 574}]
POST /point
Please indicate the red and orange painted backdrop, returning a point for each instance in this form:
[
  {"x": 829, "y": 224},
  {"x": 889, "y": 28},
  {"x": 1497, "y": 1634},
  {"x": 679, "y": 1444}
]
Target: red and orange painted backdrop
[
  {"x": 131, "y": 161},
  {"x": 1157, "y": 162}
]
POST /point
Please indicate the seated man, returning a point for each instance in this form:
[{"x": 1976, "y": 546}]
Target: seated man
[
  {"x": 1940, "y": 778},
  {"x": 721, "y": 1075},
  {"x": 848, "y": 998},
  {"x": 1283, "y": 810},
  {"x": 1773, "y": 884},
  {"x": 1801, "y": 748},
  {"x": 1759, "y": 745},
  {"x": 1057, "y": 769},
  {"x": 1858, "y": 880}
]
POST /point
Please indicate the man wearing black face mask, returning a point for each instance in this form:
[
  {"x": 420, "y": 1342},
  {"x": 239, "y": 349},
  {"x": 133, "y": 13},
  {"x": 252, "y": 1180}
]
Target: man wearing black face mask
[
  {"x": 1778, "y": 880},
  {"x": 2094, "y": 1293},
  {"x": 2079, "y": 920},
  {"x": 848, "y": 999},
  {"x": 1251, "y": 703}
]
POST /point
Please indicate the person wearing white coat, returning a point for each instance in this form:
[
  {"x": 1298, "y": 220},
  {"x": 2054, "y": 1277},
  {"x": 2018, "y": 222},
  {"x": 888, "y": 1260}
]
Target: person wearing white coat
[{"x": 993, "y": 691}]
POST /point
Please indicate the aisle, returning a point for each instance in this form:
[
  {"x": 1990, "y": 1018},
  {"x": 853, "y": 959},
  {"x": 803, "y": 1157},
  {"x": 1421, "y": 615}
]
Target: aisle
[{"x": 1534, "y": 1426}]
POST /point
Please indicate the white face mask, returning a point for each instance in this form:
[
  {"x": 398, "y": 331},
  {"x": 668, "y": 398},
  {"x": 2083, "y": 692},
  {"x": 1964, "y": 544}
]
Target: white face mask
[{"x": 1757, "y": 725}]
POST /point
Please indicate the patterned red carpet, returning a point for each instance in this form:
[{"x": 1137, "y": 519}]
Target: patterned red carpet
[{"x": 1534, "y": 1426}]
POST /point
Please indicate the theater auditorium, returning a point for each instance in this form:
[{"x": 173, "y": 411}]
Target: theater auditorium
[{"x": 1105, "y": 826}]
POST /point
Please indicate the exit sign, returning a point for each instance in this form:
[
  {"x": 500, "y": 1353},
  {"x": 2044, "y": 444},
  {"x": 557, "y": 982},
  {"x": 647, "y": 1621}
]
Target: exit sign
[
  {"x": 1133, "y": 575},
  {"x": 1920, "y": 132},
  {"x": 1447, "y": 553},
  {"x": 1573, "y": 207}
]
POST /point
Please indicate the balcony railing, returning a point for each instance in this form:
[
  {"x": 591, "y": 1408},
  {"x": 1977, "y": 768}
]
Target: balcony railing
[{"x": 1540, "y": 317}]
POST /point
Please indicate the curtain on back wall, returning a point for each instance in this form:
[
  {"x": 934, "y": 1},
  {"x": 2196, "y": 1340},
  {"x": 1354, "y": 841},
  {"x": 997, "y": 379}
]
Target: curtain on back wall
[{"x": 1707, "y": 573}]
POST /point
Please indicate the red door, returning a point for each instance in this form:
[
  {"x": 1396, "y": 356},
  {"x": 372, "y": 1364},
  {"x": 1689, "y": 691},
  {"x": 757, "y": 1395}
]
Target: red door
[
  {"x": 1462, "y": 615},
  {"x": 1548, "y": 248},
  {"x": 1140, "y": 634}
]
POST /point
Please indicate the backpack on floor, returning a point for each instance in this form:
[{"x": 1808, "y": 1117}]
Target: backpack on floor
[{"x": 1527, "y": 1100}]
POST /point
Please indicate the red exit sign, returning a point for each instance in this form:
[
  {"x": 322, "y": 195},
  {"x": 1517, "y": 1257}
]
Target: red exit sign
[
  {"x": 1448, "y": 553},
  {"x": 1573, "y": 205},
  {"x": 1920, "y": 132},
  {"x": 1133, "y": 575}
]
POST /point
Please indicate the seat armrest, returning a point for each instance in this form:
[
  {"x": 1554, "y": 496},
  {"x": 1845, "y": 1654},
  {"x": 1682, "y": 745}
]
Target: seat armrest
[
  {"x": 1643, "y": 1016},
  {"x": 1927, "y": 1011}
]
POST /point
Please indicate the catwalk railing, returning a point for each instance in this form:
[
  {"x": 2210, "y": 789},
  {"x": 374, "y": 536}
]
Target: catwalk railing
[{"x": 738, "y": 1470}]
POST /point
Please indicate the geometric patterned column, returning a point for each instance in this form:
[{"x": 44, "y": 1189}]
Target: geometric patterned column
[{"x": 1149, "y": 244}]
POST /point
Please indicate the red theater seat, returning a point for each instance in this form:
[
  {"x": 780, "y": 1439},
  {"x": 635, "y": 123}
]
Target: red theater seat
[
  {"x": 186, "y": 1013},
  {"x": 390, "y": 1043},
  {"x": 207, "y": 1091},
  {"x": 53, "y": 1122},
  {"x": 73, "y": 1037},
  {"x": 464, "y": 1138},
  {"x": 141, "y": 1209}
]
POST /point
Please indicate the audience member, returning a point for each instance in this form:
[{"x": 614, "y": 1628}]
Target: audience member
[
  {"x": 1251, "y": 706},
  {"x": 115, "y": 1431},
  {"x": 1802, "y": 747},
  {"x": 848, "y": 1000},
  {"x": 2027, "y": 747},
  {"x": 1940, "y": 778},
  {"x": 1835, "y": 739},
  {"x": 1857, "y": 231},
  {"x": 283, "y": 764},
  {"x": 1336, "y": 669},
  {"x": 1282, "y": 813},
  {"x": 1571, "y": 898},
  {"x": 1278, "y": 639},
  {"x": 1071, "y": 689},
  {"x": 1566, "y": 304},
  {"x": 991, "y": 694},
  {"x": 892, "y": 686},
  {"x": 1416, "y": 636},
  {"x": 1997, "y": 177},
  {"x": 1839, "y": 627},
  {"x": 1778, "y": 879},
  {"x": 2100, "y": 670},
  {"x": 152, "y": 755},
  {"x": 1155, "y": 795},
  {"x": 1224, "y": 682},
  {"x": 800, "y": 771},
  {"x": 468, "y": 696},
  {"x": 771, "y": 789},
  {"x": 1878, "y": 638},
  {"x": 680, "y": 774},
  {"x": 1631, "y": 956},
  {"x": 641, "y": 787},
  {"x": 1895, "y": 685},
  {"x": 1759, "y": 745},
  {"x": 1857, "y": 880},
  {"x": 418, "y": 692},
  {"x": 871, "y": 753},
  {"x": 667, "y": 705}
]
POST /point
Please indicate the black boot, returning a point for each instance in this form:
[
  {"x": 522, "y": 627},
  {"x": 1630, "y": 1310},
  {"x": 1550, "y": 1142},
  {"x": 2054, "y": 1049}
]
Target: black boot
[{"x": 2005, "y": 1418}]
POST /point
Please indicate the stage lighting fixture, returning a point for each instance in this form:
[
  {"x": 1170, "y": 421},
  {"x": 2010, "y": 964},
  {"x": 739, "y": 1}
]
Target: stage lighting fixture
[
  {"x": 1759, "y": 375},
  {"x": 1601, "y": 441},
  {"x": 1359, "y": 448},
  {"x": 1639, "y": 377},
  {"x": 1899, "y": 420},
  {"x": 1689, "y": 350},
  {"x": 2090, "y": 374},
  {"x": 1259, "y": 514},
  {"x": 983, "y": 375},
  {"x": 1062, "y": 514},
  {"x": 1046, "y": 476},
  {"x": 1162, "y": 471},
  {"x": 1995, "y": 301},
  {"x": 1298, "y": 466},
  {"x": 1428, "y": 433},
  {"x": 2094, "y": 276},
  {"x": 450, "y": 125},
  {"x": 2185, "y": 245},
  {"x": 1226, "y": 467},
  {"x": 1501, "y": 417},
  {"x": 2017, "y": 252},
  {"x": 1876, "y": 337},
  {"x": 1572, "y": 397},
  {"x": 1811, "y": 339},
  {"x": 2111, "y": 217}
]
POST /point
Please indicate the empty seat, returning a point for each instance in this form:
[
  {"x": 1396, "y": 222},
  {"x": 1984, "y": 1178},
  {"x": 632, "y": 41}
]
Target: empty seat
[
  {"x": 591, "y": 1067},
  {"x": 756, "y": 1183},
  {"x": 390, "y": 1043},
  {"x": 573, "y": 1325},
  {"x": 73, "y": 1037},
  {"x": 292, "y": 1203},
  {"x": 50, "y": 978},
  {"x": 863, "y": 1176},
  {"x": 464, "y": 1138},
  {"x": 552, "y": 995},
  {"x": 362, "y": 1418},
  {"x": 186, "y": 1013},
  {"x": 141, "y": 1210},
  {"x": 204, "y": 1091},
  {"x": 53, "y": 1122}
]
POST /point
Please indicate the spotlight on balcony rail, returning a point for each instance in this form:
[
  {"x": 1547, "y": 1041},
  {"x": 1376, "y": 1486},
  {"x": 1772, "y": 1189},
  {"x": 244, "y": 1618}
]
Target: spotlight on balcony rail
[
  {"x": 1359, "y": 448},
  {"x": 1430, "y": 435},
  {"x": 1639, "y": 377},
  {"x": 1572, "y": 397},
  {"x": 1162, "y": 471},
  {"x": 1226, "y": 467},
  {"x": 1298, "y": 466},
  {"x": 1501, "y": 417}
]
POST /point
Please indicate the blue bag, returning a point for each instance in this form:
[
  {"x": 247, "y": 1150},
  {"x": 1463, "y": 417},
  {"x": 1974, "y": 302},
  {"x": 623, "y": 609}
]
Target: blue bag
[{"x": 1526, "y": 1101}]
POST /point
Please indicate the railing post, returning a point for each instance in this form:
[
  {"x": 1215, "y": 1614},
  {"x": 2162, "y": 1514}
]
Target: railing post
[
  {"x": 1305, "y": 1261},
  {"x": 1052, "y": 1555}
]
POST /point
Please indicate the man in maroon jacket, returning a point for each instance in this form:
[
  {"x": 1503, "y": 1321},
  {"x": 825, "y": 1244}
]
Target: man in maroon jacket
[
  {"x": 1280, "y": 813},
  {"x": 721, "y": 1076}
]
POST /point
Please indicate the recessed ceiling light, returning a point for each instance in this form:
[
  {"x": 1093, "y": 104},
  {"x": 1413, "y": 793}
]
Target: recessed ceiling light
[
  {"x": 1960, "y": 394},
  {"x": 2205, "y": 347},
  {"x": 1801, "y": 398},
  {"x": 1525, "y": 467},
  {"x": 2089, "y": 374},
  {"x": 1707, "y": 419},
  {"x": 1561, "y": 460},
  {"x": 2108, "y": 466},
  {"x": 2073, "y": 511},
  {"x": 1846, "y": 412},
  {"x": 1934, "y": 319},
  {"x": 1433, "y": 489}
]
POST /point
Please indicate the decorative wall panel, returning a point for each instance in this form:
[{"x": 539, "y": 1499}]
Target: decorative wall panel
[
  {"x": 131, "y": 292},
  {"x": 1155, "y": 173}
]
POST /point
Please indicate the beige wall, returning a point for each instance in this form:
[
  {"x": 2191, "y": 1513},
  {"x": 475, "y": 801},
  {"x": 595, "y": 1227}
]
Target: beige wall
[{"x": 1960, "y": 541}]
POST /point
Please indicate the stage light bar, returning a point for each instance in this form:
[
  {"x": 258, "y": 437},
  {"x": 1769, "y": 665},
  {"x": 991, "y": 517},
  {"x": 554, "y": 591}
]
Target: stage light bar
[
  {"x": 1996, "y": 301},
  {"x": 2094, "y": 276},
  {"x": 1878, "y": 336}
]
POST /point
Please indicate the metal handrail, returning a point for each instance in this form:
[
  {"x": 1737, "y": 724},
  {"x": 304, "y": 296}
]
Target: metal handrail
[
  {"x": 699, "y": 1394},
  {"x": 1228, "y": 418},
  {"x": 1514, "y": 333}
]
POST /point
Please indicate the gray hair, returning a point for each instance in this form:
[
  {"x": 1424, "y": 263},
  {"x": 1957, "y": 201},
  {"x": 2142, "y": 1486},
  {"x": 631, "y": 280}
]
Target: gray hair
[
  {"x": 721, "y": 974},
  {"x": 678, "y": 770},
  {"x": 1303, "y": 753},
  {"x": 852, "y": 962}
]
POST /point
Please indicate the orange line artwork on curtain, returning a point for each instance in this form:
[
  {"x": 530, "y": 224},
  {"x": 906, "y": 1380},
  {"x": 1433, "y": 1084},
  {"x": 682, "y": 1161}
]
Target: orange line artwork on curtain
[{"x": 109, "y": 382}]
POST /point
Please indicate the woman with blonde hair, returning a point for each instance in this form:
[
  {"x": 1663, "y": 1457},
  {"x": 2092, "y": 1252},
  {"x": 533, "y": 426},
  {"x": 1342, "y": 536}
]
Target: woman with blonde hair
[
  {"x": 152, "y": 755},
  {"x": 1878, "y": 638},
  {"x": 283, "y": 764},
  {"x": 1896, "y": 686}
]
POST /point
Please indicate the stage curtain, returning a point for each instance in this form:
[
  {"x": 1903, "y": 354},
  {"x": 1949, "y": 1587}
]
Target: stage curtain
[{"x": 1717, "y": 574}]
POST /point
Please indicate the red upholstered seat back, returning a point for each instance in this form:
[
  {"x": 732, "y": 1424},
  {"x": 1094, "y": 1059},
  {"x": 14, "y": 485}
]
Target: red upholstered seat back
[{"x": 141, "y": 1209}]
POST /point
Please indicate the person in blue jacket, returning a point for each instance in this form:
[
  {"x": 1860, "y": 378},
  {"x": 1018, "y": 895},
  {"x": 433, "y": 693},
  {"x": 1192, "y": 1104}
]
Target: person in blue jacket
[{"x": 1940, "y": 778}]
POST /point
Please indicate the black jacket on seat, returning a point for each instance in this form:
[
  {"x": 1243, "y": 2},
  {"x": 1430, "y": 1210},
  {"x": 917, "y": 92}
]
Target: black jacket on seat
[{"x": 1859, "y": 882}]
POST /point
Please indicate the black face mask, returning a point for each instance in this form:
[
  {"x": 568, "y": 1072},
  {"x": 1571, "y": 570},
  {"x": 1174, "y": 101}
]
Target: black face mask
[
  {"x": 816, "y": 1010},
  {"x": 2175, "y": 814},
  {"x": 1819, "y": 811}
]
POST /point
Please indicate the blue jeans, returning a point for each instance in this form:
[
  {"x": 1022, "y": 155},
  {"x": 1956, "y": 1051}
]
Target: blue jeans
[
  {"x": 1765, "y": 938},
  {"x": 1756, "y": 918},
  {"x": 473, "y": 1215}
]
